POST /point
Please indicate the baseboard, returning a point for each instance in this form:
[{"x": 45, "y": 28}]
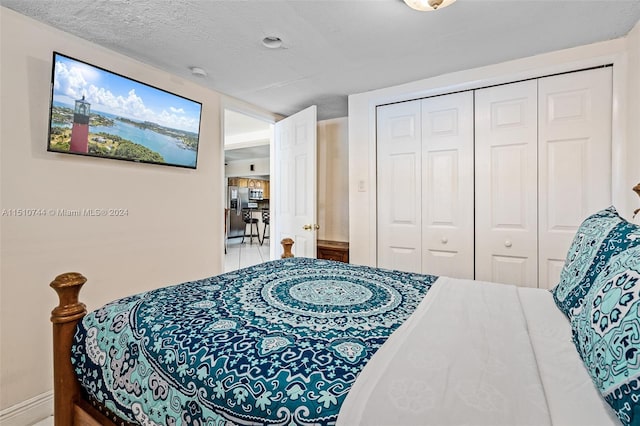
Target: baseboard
[{"x": 28, "y": 412}]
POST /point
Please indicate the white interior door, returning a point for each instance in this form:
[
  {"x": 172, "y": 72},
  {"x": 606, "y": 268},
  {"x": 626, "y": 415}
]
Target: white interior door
[
  {"x": 506, "y": 184},
  {"x": 575, "y": 160},
  {"x": 447, "y": 193},
  {"x": 399, "y": 174},
  {"x": 295, "y": 182}
]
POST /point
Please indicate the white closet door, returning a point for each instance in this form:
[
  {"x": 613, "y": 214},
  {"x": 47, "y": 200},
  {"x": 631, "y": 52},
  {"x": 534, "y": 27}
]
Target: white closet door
[
  {"x": 399, "y": 186},
  {"x": 575, "y": 160},
  {"x": 447, "y": 178},
  {"x": 506, "y": 184}
]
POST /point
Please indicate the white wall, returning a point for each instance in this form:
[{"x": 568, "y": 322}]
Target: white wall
[
  {"x": 172, "y": 232},
  {"x": 243, "y": 167},
  {"x": 333, "y": 179},
  {"x": 362, "y": 132}
]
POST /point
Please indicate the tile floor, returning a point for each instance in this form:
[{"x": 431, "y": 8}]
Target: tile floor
[{"x": 240, "y": 255}]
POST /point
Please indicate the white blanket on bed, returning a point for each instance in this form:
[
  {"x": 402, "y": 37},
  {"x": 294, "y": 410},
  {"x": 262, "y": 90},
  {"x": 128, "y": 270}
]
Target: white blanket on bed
[{"x": 466, "y": 357}]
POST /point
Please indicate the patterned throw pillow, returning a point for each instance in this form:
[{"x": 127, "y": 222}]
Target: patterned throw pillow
[
  {"x": 606, "y": 331},
  {"x": 598, "y": 238}
]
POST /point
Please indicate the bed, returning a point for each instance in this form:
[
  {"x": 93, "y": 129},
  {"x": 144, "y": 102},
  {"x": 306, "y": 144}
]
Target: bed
[{"x": 307, "y": 341}]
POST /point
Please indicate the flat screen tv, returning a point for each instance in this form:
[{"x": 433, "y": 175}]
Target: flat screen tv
[{"x": 99, "y": 113}]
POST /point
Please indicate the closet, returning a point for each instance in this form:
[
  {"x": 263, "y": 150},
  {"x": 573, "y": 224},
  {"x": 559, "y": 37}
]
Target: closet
[{"x": 492, "y": 183}]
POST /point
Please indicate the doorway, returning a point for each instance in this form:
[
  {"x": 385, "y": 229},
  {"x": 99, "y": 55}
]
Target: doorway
[{"x": 247, "y": 139}]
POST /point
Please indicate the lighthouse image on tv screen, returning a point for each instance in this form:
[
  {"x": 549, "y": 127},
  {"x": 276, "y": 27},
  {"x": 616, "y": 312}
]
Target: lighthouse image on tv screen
[{"x": 103, "y": 114}]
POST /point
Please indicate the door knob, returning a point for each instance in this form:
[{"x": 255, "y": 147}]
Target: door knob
[
  {"x": 507, "y": 243},
  {"x": 444, "y": 240},
  {"x": 309, "y": 227}
]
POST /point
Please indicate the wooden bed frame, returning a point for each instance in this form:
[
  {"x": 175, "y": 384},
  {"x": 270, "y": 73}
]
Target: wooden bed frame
[
  {"x": 636, "y": 189},
  {"x": 71, "y": 406}
]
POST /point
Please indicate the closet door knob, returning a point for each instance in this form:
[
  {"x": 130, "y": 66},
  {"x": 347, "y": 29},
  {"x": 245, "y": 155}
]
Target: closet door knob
[
  {"x": 444, "y": 240},
  {"x": 507, "y": 243}
]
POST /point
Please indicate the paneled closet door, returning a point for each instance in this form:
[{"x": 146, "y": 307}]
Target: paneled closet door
[
  {"x": 506, "y": 184},
  {"x": 399, "y": 174},
  {"x": 575, "y": 160},
  {"x": 447, "y": 185}
]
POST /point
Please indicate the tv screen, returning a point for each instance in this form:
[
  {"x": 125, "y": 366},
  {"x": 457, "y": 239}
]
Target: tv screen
[{"x": 99, "y": 113}]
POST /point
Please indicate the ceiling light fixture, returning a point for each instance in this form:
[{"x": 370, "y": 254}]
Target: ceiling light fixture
[
  {"x": 198, "y": 72},
  {"x": 428, "y": 5},
  {"x": 272, "y": 42}
]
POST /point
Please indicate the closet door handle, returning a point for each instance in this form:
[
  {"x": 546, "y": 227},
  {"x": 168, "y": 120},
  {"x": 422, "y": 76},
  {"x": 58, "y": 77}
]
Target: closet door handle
[
  {"x": 444, "y": 240},
  {"x": 507, "y": 244}
]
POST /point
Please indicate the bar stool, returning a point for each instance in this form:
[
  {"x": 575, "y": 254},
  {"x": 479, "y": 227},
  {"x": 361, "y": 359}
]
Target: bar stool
[
  {"x": 248, "y": 219},
  {"x": 265, "y": 221}
]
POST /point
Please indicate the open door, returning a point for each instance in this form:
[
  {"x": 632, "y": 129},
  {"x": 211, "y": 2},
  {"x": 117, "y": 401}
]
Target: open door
[{"x": 295, "y": 182}]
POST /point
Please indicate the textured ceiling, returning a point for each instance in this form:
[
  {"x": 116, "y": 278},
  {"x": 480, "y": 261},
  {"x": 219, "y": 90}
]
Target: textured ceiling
[{"x": 331, "y": 48}]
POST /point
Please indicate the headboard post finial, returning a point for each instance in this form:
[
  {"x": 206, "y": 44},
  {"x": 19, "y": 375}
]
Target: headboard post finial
[
  {"x": 65, "y": 317},
  {"x": 68, "y": 288},
  {"x": 286, "y": 245}
]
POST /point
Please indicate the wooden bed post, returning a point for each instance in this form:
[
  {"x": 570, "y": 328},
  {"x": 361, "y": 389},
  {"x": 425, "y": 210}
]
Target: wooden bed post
[
  {"x": 636, "y": 189},
  {"x": 286, "y": 245},
  {"x": 65, "y": 317}
]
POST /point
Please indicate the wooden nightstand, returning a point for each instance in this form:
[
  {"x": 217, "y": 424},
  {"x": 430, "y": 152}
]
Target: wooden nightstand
[{"x": 333, "y": 250}]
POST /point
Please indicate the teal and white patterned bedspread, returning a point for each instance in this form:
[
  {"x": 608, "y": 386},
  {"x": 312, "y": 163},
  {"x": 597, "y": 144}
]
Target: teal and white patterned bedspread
[{"x": 278, "y": 343}]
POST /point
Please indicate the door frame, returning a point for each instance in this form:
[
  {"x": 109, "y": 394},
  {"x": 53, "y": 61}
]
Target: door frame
[{"x": 241, "y": 107}]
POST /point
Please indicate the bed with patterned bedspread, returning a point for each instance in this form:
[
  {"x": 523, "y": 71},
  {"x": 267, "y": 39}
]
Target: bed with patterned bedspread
[
  {"x": 283, "y": 343},
  {"x": 278, "y": 343}
]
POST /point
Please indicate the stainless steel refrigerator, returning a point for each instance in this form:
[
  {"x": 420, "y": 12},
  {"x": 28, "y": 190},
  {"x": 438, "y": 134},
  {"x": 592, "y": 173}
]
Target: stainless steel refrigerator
[{"x": 238, "y": 199}]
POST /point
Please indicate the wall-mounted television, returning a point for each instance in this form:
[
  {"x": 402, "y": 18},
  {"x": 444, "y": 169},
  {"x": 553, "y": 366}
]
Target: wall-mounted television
[{"x": 100, "y": 113}]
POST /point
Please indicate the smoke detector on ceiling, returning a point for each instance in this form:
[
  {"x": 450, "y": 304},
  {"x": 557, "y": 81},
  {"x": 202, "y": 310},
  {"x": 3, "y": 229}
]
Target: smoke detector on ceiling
[
  {"x": 272, "y": 42},
  {"x": 198, "y": 72}
]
